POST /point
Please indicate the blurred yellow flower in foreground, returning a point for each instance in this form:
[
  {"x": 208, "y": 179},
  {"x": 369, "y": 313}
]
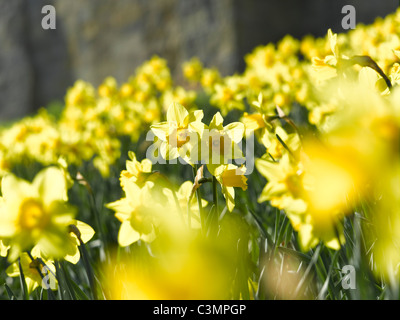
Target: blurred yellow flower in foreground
[
  {"x": 184, "y": 199},
  {"x": 186, "y": 272},
  {"x": 36, "y": 213},
  {"x": 136, "y": 212}
]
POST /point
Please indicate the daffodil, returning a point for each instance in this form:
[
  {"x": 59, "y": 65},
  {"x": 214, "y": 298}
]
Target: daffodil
[
  {"x": 284, "y": 188},
  {"x": 137, "y": 213},
  {"x": 257, "y": 122},
  {"x": 209, "y": 78},
  {"x": 326, "y": 68},
  {"x": 85, "y": 233},
  {"x": 279, "y": 142},
  {"x": 228, "y": 95},
  {"x": 192, "y": 69},
  {"x": 36, "y": 213},
  {"x": 219, "y": 144},
  {"x": 176, "y": 133},
  {"x": 181, "y": 96},
  {"x": 136, "y": 171},
  {"x": 230, "y": 176}
]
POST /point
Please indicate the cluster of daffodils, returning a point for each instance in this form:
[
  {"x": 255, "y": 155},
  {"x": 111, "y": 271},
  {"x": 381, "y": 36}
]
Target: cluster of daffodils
[
  {"x": 319, "y": 118},
  {"x": 93, "y": 121},
  {"x": 344, "y": 156}
]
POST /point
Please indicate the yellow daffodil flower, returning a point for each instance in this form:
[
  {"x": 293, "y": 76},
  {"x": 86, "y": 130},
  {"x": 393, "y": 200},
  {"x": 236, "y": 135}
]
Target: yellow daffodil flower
[
  {"x": 86, "y": 233},
  {"x": 219, "y": 144},
  {"x": 136, "y": 171},
  {"x": 230, "y": 176},
  {"x": 137, "y": 213},
  {"x": 177, "y": 131},
  {"x": 36, "y": 213},
  {"x": 192, "y": 69}
]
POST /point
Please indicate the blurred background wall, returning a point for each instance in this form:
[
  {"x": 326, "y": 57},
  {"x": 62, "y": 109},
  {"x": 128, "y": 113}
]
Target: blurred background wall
[{"x": 94, "y": 39}]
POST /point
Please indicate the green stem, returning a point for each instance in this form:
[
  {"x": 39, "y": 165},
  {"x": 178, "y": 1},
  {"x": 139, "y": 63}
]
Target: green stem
[
  {"x": 198, "y": 196},
  {"x": 215, "y": 212},
  {"x": 22, "y": 281},
  {"x": 88, "y": 268},
  {"x": 98, "y": 222},
  {"x": 215, "y": 195},
  {"x": 67, "y": 280}
]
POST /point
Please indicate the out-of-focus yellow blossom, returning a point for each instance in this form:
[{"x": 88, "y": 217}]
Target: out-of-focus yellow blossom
[
  {"x": 253, "y": 122},
  {"x": 284, "y": 188},
  {"x": 136, "y": 171},
  {"x": 209, "y": 78},
  {"x": 137, "y": 213},
  {"x": 181, "y": 96},
  {"x": 228, "y": 95},
  {"x": 333, "y": 183},
  {"x": 33, "y": 278},
  {"x": 81, "y": 96},
  {"x": 184, "y": 198},
  {"x": 288, "y": 188},
  {"x": 36, "y": 213},
  {"x": 177, "y": 132},
  {"x": 327, "y": 68},
  {"x": 273, "y": 142},
  {"x": 385, "y": 226},
  {"x": 85, "y": 233},
  {"x": 192, "y": 69},
  {"x": 188, "y": 269},
  {"x": 108, "y": 88}
]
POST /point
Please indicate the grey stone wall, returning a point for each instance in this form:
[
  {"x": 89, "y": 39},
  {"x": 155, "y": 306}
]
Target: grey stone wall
[{"x": 99, "y": 38}]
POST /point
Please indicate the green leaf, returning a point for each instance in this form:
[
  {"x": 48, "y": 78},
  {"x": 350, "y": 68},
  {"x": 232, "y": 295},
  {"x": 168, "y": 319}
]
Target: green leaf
[
  {"x": 10, "y": 294},
  {"x": 25, "y": 294}
]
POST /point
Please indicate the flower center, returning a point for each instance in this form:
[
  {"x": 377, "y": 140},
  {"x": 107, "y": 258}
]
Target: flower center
[
  {"x": 32, "y": 215},
  {"x": 182, "y": 136},
  {"x": 227, "y": 95}
]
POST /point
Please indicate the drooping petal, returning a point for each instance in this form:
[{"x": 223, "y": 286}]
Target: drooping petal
[{"x": 87, "y": 232}]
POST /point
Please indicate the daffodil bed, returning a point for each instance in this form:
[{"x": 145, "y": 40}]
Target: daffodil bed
[{"x": 269, "y": 184}]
